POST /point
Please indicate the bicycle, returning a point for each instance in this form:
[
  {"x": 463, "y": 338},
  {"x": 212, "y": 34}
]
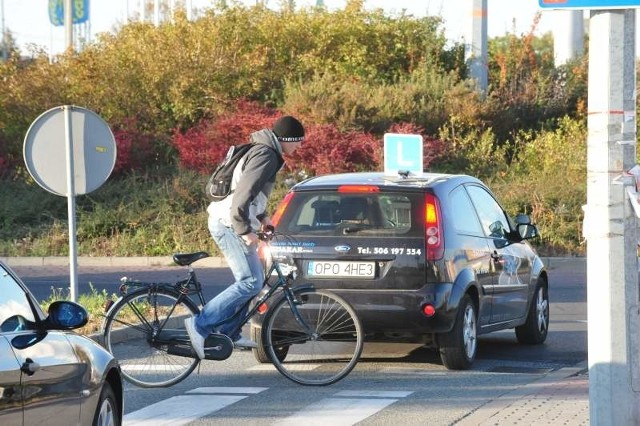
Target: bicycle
[{"x": 312, "y": 336}]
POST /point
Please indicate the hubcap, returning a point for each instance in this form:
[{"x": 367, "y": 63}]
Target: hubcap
[
  {"x": 106, "y": 416},
  {"x": 542, "y": 307},
  {"x": 469, "y": 332}
]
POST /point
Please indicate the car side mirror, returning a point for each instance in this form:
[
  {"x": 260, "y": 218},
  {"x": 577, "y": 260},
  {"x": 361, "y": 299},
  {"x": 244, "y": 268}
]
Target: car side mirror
[
  {"x": 66, "y": 315},
  {"x": 527, "y": 230}
]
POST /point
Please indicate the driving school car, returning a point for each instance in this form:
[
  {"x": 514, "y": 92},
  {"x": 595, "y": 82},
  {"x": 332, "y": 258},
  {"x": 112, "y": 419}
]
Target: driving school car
[{"x": 430, "y": 259}]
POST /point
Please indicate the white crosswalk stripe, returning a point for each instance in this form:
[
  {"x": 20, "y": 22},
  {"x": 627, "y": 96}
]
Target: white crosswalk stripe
[
  {"x": 183, "y": 409},
  {"x": 344, "y": 408}
]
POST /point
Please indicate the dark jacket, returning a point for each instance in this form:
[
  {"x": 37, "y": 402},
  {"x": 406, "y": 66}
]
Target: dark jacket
[{"x": 253, "y": 181}]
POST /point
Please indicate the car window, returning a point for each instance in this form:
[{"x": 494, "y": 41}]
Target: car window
[
  {"x": 15, "y": 311},
  {"x": 463, "y": 215},
  {"x": 494, "y": 222},
  {"x": 334, "y": 213}
]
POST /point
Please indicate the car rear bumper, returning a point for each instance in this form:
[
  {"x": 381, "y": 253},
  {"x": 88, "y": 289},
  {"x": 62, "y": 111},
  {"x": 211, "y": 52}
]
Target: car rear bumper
[{"x": 398, "y": 314}]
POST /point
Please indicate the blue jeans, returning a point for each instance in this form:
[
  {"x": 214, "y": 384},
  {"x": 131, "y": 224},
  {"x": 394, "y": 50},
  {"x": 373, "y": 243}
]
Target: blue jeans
[{"x": 247, "y": 270}]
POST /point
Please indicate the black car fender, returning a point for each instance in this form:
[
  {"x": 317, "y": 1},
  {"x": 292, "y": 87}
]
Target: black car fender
[{"x": 465, "y": 283}]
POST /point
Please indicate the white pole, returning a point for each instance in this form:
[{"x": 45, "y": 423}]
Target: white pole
[
  {"x": 189, "y": 10},
  {"x": 5, "y": 54},
  {"x": 156, "y": 12},
  {"x": 477, "y": 50},
  {"x": 71, "y": 205},
  {"x": 610, "y": 222},
  {"x": 68, "y": 23},
  {"x": 568, "y": 35}
]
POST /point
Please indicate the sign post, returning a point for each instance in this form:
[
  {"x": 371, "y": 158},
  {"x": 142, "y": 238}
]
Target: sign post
[{"x": 70, "y": 151}]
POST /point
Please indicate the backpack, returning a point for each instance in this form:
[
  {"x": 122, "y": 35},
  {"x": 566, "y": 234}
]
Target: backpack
[{"x": 219, "y": 185}]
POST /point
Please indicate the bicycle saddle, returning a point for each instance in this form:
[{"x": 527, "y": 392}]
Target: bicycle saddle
[{"x": 185, "y": 259}]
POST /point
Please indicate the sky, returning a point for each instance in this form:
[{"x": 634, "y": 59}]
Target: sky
[{"x": 28, "y": 20}]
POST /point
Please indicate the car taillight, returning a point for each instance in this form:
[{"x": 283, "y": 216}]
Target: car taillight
[
  {"x": 434, "y": 237},
  {"x": 275, "y": 218},
  {"x": 358, "y": 188}
]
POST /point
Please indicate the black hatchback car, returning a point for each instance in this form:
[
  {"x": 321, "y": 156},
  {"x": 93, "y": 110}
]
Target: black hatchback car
[
  {"x": 48, "y": 374},
  {"x": 431, "y": 259}
]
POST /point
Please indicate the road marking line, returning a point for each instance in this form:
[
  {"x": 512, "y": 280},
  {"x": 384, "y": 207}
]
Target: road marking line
[
  {"x": 227, "y": 390},
  {"x": 374, "y": 394},
  {"x": 179, "y": 410},
  {"x": 337, "y": 412},
  {"x": 270, "y": 367}
]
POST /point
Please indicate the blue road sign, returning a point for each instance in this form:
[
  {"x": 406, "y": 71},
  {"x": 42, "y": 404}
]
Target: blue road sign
[
  {"x": 402, "y": 152},
  {"x": 589, "y": 4},
  {"x": 79, "y": 11}
]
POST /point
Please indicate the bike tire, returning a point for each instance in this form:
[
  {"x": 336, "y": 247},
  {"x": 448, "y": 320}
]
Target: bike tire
[
  {"x": 323, "y": 357},
  {"x": 128, "y": 333}
]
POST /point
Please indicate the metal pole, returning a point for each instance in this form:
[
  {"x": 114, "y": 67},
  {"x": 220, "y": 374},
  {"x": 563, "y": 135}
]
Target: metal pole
[
  {"x": 568, "y": 35},
  {"x": 5, "y": 54},
  {"x": 71, "y": 205},
  {"x": 477, "y": 50},
  {"x": 68, "y": 24},
  {"x": 610, "y": 222}
]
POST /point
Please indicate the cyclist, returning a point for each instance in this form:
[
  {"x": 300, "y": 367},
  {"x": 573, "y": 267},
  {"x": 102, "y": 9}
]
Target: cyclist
[{"x": 233, "y": 223}]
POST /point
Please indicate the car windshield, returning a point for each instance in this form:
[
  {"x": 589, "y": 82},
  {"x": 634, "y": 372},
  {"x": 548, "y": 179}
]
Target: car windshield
[{"x": 369, "y": 214}]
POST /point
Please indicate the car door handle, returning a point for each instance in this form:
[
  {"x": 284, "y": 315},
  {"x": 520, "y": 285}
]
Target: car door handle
[{"x": 29, "y": 367}]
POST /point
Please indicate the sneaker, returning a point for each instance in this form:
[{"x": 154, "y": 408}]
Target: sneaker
[
  {"x": 243, "y": 342},
  {"x": 197, "y": 341}
]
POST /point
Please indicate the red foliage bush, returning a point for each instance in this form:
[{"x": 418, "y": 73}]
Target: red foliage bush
[
  {"x": 203, "y": 146},
  {"x": 325, "y": 150},
  {"x": 134, "y": 148},
  {"x": 433, "y": 149}
]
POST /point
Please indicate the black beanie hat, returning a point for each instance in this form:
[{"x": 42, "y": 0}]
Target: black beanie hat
[{"x": 288, "y": 129}]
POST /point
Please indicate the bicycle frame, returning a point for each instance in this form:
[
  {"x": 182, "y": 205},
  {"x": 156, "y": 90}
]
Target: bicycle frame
[{"x": 282, "y": 282}]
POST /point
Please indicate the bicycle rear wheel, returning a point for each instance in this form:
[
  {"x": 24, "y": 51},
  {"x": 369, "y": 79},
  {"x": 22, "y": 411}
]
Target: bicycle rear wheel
[
  {"x": 321, "y": 350},
  {"x": 145, "y": 332}
]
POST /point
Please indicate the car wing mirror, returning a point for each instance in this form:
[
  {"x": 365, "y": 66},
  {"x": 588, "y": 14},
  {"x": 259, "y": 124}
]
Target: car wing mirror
[
  {"x": 527, "y": 231},
  {"x": 66, "y": 315}
]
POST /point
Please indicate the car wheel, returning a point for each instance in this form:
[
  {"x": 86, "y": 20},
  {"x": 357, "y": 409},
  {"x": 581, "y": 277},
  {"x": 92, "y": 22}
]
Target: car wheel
[
  {"x": 459, "y": 346},
  {"x": 260, "y": 352},
  {"x": 534, "y": 330},
  {"x": 107, "y": 410}
]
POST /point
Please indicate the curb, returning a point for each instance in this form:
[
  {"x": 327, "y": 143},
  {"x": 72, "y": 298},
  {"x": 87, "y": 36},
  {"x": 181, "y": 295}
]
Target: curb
[
  {"x": 86, "y": 261},
  {"x": 212, "y": 262}
]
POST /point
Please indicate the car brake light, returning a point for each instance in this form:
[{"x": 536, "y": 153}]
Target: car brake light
[
  {"x": 275, "y": 218},
  {"x": 428, "y": 310},
  {"x": 434, "y": 238},
  {"x": 358, "y": 188}
]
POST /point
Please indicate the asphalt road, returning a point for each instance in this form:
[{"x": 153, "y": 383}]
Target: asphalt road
[{"x": 392, "y": 384}]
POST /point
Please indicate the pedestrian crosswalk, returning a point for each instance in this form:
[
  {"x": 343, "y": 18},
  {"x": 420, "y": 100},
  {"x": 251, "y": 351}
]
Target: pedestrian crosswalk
[{"x": 340, "y": 409}]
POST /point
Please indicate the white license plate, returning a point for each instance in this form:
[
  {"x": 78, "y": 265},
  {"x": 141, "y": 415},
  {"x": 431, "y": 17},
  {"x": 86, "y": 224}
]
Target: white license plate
[{"x": 341, "y": 268}]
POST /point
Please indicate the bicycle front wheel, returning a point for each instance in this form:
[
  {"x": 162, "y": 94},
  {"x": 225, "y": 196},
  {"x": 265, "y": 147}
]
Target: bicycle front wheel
[
  {"x": 320, "y": 344},
  {"x": 145, "y": 332}
]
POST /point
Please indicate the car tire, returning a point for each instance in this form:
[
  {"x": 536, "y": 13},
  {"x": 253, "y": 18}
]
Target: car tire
[
  {"x": 107, "y": 409},
  {"x": 260, "y": 352},
  {"x": 459, "y": 346},
  {"x": 534, "y": 330}
]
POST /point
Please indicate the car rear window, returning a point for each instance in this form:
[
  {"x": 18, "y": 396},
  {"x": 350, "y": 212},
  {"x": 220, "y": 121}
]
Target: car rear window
[{"x": 370, "y": 214}]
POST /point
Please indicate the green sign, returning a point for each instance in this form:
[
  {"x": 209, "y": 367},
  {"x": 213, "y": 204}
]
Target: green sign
[{"x": 79, "y": 11}]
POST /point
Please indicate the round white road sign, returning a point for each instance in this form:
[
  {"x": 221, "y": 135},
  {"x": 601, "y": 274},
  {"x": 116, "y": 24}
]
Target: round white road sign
[{"x": 69, "y": 139}]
